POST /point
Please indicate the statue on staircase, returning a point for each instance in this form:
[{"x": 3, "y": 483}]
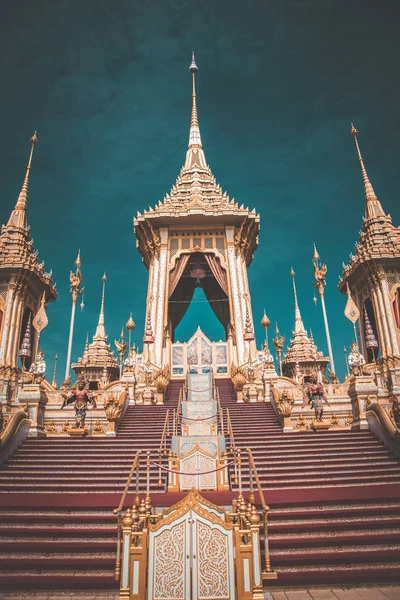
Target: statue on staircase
[
  {"x": 82, "y": 398},
  {"x": 314, "y": 394}
]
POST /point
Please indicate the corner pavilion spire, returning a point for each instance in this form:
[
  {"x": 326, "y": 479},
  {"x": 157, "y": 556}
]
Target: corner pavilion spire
[
  {"x": 373, "y": 206},
  {"x": 18, "y": 216}
]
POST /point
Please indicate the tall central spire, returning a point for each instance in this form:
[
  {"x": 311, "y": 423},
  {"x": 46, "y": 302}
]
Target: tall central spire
[
  {"x": 373, "y": 207},
  {"x": 298, "y": 323},
  {"x": 195, "y": 155},
  {"x": 194, "y": 135},
  {"x": 18, "y": 216}
]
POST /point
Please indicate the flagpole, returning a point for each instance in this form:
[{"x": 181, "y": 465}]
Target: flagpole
[
  {"x": 75, "y": 281},
  {"x": 320, "y": 283},
  {"x": 355, "y": 333}
]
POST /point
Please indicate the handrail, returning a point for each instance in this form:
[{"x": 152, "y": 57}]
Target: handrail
[
  {"x": 165, "y": 432},
  {"x": 163, "y": 443},
  {"x": 230, "y": 430},
  {"x": 135, "y": 467},
  {"x": 220, "y": 411},
  {"x": 265, "y": 507},
  {"x": 13, "y": 424},
  {"x": 385, "y": 421},
  {"x": 178, "y": 408},
  {"x": 232, "y": 443},
  {"x": 256, "y": 477}
]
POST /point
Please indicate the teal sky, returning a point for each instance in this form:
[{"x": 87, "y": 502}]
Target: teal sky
[{"x": 107, "y": 86}]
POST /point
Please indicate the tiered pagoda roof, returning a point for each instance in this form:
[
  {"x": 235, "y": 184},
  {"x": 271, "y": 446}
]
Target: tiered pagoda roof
[
  {"x": 378, "y": 239},
  {"x": 16, "y": 245},
  {"x": 98, "y": 361},
  {"x": 302, "y": 349},
  {"x": 196, "y": 198}
]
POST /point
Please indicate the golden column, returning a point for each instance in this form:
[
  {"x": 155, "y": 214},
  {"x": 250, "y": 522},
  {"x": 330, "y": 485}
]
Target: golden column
[
  {"x": 320, "y": 271},
  {"x": 75, "y": 280}
]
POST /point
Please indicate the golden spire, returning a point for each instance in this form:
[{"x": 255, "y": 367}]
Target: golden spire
[
  {"x": 78, "y": 262},
  {"x": 18, "y": 215},
  {"x": 374, "y": 207},
  {"x": 298, "y": 326},
  {"x": 195, "y": 156},
  {"x": 316, "y": 256},
  {"x": 194, "y": 135},
  {"x": 100, "y": 331}
]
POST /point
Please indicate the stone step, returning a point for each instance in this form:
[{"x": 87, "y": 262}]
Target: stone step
[
  {"x": 316, "y": 555},
  {"x": 327, "y": 538}
]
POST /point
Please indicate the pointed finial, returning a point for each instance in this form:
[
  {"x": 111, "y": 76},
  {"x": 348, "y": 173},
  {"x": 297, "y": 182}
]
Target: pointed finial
[
  {"x": 374, "y": 207},
  {"x": 298, "y": 326},
  {"x": 122, "y": 334},
  {"x": 100, "y": 331},
  {"x": 265, "y": 322},
  {"x": 78, "y": 262},
  {"x": 18, "y": 218},
  {"x": 130, "y": 324},
  {"x": 316, "y": 256},
  {"x": 194, "y": 135},
  {"x": 193, "y": 67}
]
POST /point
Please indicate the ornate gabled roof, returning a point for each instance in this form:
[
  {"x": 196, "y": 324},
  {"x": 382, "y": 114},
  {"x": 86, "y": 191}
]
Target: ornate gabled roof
[
  {"x": 302, "y": 348},
  {"x": 196, "y": 191},
  {"x": 16, "y": 245},
  {"x": 378, "y": 238}
]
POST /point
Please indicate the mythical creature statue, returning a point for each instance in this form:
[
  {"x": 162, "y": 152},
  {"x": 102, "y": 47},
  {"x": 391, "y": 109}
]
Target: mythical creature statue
[
  {"x": 332, "y": 376},
  {"x": 65, "y": 384},
  {"x": 320, "y": 272},
  {"x": 314, "y": 394},
  {"x": 75, "y": 280},
  {"x": 355, "y": 360},
  {"x": 81, "y": 397},
  {"x": 37, "y": 370}
]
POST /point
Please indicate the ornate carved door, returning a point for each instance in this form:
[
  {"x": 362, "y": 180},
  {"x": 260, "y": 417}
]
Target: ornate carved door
[
  {"x": 191, "y": 558},
  {"x": 212, "y": 561},
  {"x": 202, "y": 463}
]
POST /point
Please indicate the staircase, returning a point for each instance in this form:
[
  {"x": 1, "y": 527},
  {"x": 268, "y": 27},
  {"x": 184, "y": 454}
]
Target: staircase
[
  {"x": 57, "y": 529},
  {"x": 334, "y": 497}
]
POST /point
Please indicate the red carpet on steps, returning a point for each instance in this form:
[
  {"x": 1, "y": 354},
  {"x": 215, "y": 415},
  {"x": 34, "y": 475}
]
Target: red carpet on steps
[{"x": 334, "y": 499}]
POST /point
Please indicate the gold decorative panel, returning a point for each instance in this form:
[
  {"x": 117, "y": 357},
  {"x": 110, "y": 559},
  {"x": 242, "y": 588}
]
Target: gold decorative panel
[
  {"x": 168, "y": 555},
  {"x": 213, "y": 563}
]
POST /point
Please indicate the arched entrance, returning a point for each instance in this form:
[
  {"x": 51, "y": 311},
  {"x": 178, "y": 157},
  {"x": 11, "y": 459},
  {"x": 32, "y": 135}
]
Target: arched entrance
[{"x": 197, "y": 270}]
